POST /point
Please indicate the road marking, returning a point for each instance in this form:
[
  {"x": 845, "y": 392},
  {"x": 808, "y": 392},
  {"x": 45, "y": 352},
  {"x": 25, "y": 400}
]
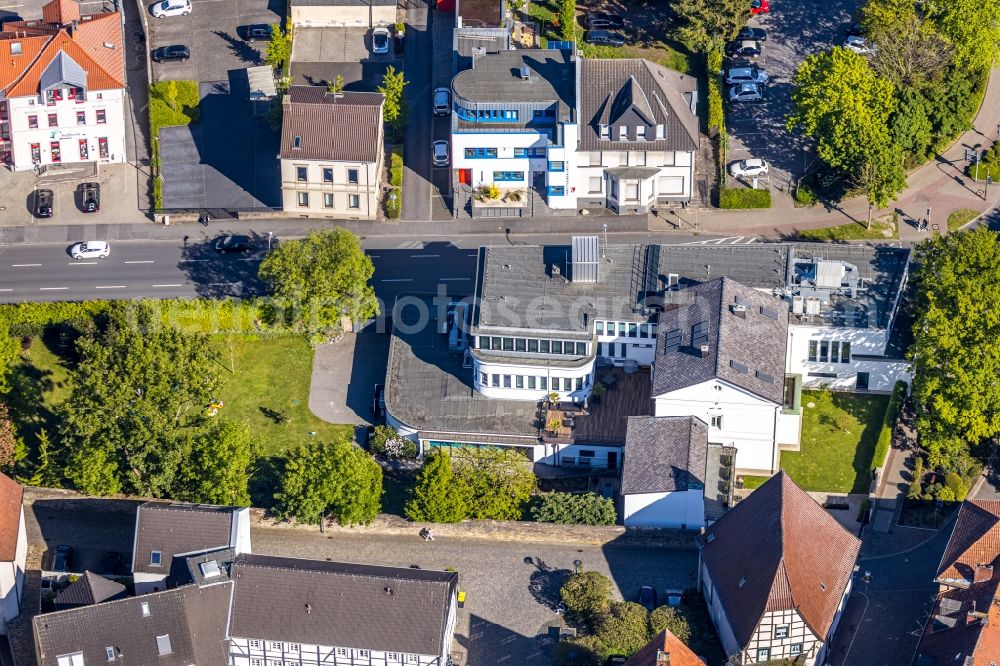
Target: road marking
[
  {"x": 183, "y": 260},
  {"x": 83, "y": 263},
  {"x": 399, "y": 280},
  {"x": 224, "y": 284},
  {"x": 144, "y": 261},
  {"x": 166, "y": 285},
  {"x": 6, "y": 290},
  {"x": 111, "y": 286},
  {"x": 455, "y": 279},
  {"x": 23, "y": 265},
  {"x": 52, "y": 288},
  {"x": 424, "y": 256}
]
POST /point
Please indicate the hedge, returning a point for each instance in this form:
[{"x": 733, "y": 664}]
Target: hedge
[
  {"x": 741, "y": 197},
  {"x": 716, "y": 115},
  {"x": 396, "y": 167},
  {"x": 888, "y": 423},
  {"x": 393, "y": 204}
]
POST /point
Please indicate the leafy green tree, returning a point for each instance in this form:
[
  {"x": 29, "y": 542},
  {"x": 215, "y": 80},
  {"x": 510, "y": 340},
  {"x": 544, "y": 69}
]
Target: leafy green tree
[
  {"x": 278, "y": 53},
  {"x": 916, "y": 488},
  {"x": 881, "y": 174},
  {"x": 497, "y": 482},
  {"x": 326, "y": 274},
  {"x": 575, "y": 509},
  {"x": 437, "y": 497},
  {"x": 135, "y": 394},
  {"x": 708, "y": 24},
  {"x": 910, "y": 50},
  {"x": 955, "y": 355},
  {"x": 567, "y": 20},
  {"x": 330, "y": 480},
  {"x": 221, "y": 462},
  {"x": 624, "y": 629},
  {"x": 973, "y": 27},
  {"x": 394, "y": 109},
  {"x": 387, "y": 442},
  {"x": 840, "y": 101},
  {"x": 580, "y": 651},
  {"x": 45, "y": 473},
  {"x": 952, "y": 102},
  {"x": 667, "y": 617},
  {"x": 910, "y": 126},
  {"x": 8, "y": 356},
  {"x": 587, "y": 595}
]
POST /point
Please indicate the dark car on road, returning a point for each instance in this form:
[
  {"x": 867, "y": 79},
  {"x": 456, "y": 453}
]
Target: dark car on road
[
  {"x": 230, "y": 244},
  {"x": 753, "y": 34},
  {"x": 113, "y": 564},
  {"x": 378, "y": 401},
  {"x": 252, "y": 33},
  {"x": 604, "y": 37},
  {"x": 647, "y": 597},
  {"x": 599, "y": 20},
  {"x": 744, "y": 48},
  {"x": 90, "y": 197},
  {"x": 43, "y": 203},
  {"x": 63, "y": 559},
  {"x": 172, "y": 52}
]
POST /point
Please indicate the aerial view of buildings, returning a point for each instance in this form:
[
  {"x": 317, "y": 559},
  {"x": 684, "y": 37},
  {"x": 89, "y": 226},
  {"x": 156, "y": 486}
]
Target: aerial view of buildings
[{"x": 499, "y": 332}]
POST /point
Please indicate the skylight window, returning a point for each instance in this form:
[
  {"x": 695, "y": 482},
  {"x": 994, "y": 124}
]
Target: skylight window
[
  {"x": 15, "y": 48},
  {"x": 297, "y": 142},
  {"x": 209, "y": 569}
]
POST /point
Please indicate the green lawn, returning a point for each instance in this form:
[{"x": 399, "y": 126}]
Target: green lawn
[
  {"x": 961, "y": 217},
  {"x": 272, "y": 381},
  {"x": 881, "y": 229},
  {"x": 839, "y": 432}
]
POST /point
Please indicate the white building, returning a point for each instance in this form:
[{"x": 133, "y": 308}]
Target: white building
[
  {"x": 13, "y": 548},
  {"x": 775, "y": 572},
  {"x": 322, "y": 174},
  {"x": 167, "y": 533},
  {"x": 62, "y": 97},
  {"x": 343, "y": 13}
]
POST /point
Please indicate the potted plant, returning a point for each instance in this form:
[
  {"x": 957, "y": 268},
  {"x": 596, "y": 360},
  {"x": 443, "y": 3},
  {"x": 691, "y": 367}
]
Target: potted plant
[
  {"x": 553, "y": 425},
  {"x": 553, "y": 398},
  {"x": 598, "y": 392}
]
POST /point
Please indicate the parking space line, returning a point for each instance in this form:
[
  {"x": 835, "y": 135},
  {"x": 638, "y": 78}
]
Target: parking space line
[{"x": 424, "y": 256}]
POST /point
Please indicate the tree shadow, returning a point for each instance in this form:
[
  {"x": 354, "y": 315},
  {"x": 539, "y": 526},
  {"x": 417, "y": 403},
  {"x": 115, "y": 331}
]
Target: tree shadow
[
  {"x": 241, "y": 49},
  {"x": 276, "y": 417},
  {"x": 266, "y": 480},
  {"x": 545, "y": 583}
]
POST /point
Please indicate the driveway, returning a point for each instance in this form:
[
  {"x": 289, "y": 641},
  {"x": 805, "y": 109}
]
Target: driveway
[
  {"x": 320, "y": 54},
  {"x": 795, "y": 30},
  {"x": 345, "y": 374}
]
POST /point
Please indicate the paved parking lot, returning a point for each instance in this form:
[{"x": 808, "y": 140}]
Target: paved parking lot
[
  {"x": 320, "y": 54},
  {"x": 795, "y": 30}
]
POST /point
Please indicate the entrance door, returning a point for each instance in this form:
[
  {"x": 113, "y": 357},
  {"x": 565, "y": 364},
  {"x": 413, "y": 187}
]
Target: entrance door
[
  {"x": 465, "y": 176},
  {"x": 612, "y": 460},
  {"x": 862, "y": 381}
]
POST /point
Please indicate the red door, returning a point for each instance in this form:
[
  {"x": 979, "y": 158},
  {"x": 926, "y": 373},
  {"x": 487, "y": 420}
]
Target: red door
[{"x": 465, "y": 176}]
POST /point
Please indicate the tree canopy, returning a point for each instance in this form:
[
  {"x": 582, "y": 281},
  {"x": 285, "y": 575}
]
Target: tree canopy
[
  {"x": 587, "y": 595},
  {"x": 326, "y": 275},
  {"x": 497, "y": 483},
  {"x": 956, "y": 350},
  {"x": 330, "y": 479},
  {"x": 220, "y": 465},
  {"x": 973, "y": 27},
  {"x": 437, "y": 497},
  {"x": 394, "y": 110},
  {"x": 707, "y": 24}
]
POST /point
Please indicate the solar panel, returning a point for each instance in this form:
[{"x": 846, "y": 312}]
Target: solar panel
[
  {"x": 765, "y": 377},
  {"x": 672, "y": 341},
  {"x": 768, "y": 312},
  {"x": 699, "y": 333},
  {"x": 739, "y": 367},
  {"x": 743, "y": 301}
]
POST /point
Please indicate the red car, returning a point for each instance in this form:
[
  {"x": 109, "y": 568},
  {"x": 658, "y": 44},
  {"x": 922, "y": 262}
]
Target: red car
[{"x": 759, "y": 7}]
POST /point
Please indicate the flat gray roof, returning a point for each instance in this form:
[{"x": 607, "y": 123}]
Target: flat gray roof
[{"x": 496, "y": 78}]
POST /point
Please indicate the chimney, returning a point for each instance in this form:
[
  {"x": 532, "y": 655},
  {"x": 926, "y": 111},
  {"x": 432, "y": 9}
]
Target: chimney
[
  {"x": 982, "y": 573},
  {"x": 72, "y": 28},
  {"x": 739, "y": 310},
  {"x": 703, "y": 351},
  {"x": 662, "y": 658}
]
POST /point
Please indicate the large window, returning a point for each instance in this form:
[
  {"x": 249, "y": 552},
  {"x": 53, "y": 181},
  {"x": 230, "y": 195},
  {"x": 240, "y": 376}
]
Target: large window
[
  {"x": 32, "y": 122},
  {"x": 102, "y": 145},
  {"x": 102, "y": 116},
  {"x": 763, "y": 654},
  {"x": 55, "y": 151},
  {"x": 557, "y": 166},
  {"x": 813, "y": 345},
  {"x": 508, "y": 176},
  {"x": 480, "y": 153},
  {"x": 327, "y": 174},
  {"x": 529, "y": 152},
  {"x": 595, "y": 184},
  {"x": 557, "y": 191},
  {"x": 781, "y": 631},
  {"x": 328, "y": 200},
  {"x": 487, "y": 115},
  {"x": 302, "y": 198},
  {"x": 824, "y": 351},
  {"x": 53, "y": 120},
  {"x": 81, "y": 117},
  {"x": 354, "y": 201},
  {"x": 352, "y": 177},
  {"x": 301, "y": 174},
  {"x": 84, "y": 149}
]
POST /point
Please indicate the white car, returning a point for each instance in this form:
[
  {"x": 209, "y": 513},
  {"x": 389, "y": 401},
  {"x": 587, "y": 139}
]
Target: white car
[
  {"x": 90, "y": 250},
  {"x": 171, "y": 8},
  {"x": 859, "y": 45},
  {"x": 442, "y": 101},
  {"x": 381, "y": 39},
  {"x": 748, "y": 168},
  {"x": 746, "y": 92},
  {"x": 440, "y": 153},
  {"x": 746, "y": 75}
]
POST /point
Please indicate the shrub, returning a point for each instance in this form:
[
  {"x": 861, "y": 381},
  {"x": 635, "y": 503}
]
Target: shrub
[
  {"x": 491, "y": 191},
  {"x": 497, "y": 483},
  {"x": 956, "y": 486},
  {"x": 393, "y": 203},
  {"x": 387, "y": 442},
  {"x": 587, "y": 595},
  {"x": 666, "y": 617},
  {"x": 888, "y": 423},
  {"x": 157, "y": 192},
  {"x": 804, "y": 195},
  {"x": 716, "y": 113},
  {"x": 714, "y": 61},
  {"x": 435, "y": 497},
  {"x": 916, "y": 489},
  {"x": 575, "y": 509},
  {"x": 580, "y": 651},
  {"x": 396, "y": 167},
  {"x": 741, "y": 197},
  {"x": 624, "y": 629}
]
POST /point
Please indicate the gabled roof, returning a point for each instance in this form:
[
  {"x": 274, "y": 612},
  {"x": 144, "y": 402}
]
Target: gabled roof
[
  {"x": 315, "y": 124},
  {"x": 663, "y": 454},
  {"x": 964, "y": 627},
  {"x": 61, "y": 12},
  {"x": 333, "y": 603},
  {"x": 11, "y": 494},
  {"x": 62, "y": 69},
  {"x": 631, "y": 92},
  {"x": 975, "y": 540},
  {"x": 29, "y": 80},
  {"x": 89, "y": 589},
  {"x": 193, "y": 617},
  {"x": 745, "y": 330},
  {"x": 177, "y": 528},
  {"x": 779, "y": 550},
  {"x": 665, "y": 643}
]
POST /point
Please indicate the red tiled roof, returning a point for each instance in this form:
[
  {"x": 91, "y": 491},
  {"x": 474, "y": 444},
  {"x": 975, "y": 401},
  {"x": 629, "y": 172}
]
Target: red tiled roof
[
  {"x": 974, "y": 540},
  {"x": 680, "y": 654},
  {"x": 11, "y": 494},
  {"x": 952, "y": 635},
  {"x": 97, "y": 77},
  {"x": 93, "y": 33},
  {"x": 779, "y": 550},
  {"x": 61, "y": 12},
  {"x": 11, "y": 65}
]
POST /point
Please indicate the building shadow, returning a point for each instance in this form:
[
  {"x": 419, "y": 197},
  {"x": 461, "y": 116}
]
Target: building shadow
[{"x": 490, "y": 643}]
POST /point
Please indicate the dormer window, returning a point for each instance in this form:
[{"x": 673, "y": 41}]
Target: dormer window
[
  {"x": 622, "y": 133},
  {"x": 640, "y": 133},
  {"x": 660, "y": 132},
  {"x": 605, "y": 132}
]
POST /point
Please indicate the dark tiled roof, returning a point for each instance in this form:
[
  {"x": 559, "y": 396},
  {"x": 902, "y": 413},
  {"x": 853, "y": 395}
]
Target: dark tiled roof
[
  {"x": 322, "y": 121},
  {"x": 87, "y": 590},
  {"x": 11, "y": 494},
  {"x": 746, "y": 349},
  {"x": 665, "y": 643},
  {"x": 631, "y": 92},
  {"x": 343, "y": 3},
  {"x": 663, "y": 454},
  {"x": 778, "y": 550},
  {"x": 351, "y": 605},
  {"x": 496, "y": 78},
  {"x": 194, "y": 619},
  {"x": 176, "y": 528},
  {"x": 975, "y": 540},
  {"x": 964, "y": 627}
]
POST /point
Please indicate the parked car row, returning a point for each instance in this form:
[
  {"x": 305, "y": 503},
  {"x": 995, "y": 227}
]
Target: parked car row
[{"x": 90, "y": 200}]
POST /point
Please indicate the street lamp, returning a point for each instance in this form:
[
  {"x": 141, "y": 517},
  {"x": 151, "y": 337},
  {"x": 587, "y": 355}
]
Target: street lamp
[{"x": 578, "y": 566}]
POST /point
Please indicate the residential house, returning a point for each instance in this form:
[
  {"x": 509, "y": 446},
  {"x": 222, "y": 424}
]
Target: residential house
[
  {"x": 638, "y": 135},
  {"x": 13, "y": 548},
  {"x": 87, "y": 590},
  {"x": 322, "y": 175},
  {"x": 62, "y": 96},
  {"x": 964, "y": 627},
  {"x": 665, "y": 650},
  {"x": 343, "y": 13},
  {"x": 166, "y": 533},
  {"x": 775, "y": 572}
]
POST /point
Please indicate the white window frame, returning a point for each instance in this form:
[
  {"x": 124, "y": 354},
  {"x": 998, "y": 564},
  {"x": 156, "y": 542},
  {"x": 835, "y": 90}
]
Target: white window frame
[{"x": 156, "y": 558}]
